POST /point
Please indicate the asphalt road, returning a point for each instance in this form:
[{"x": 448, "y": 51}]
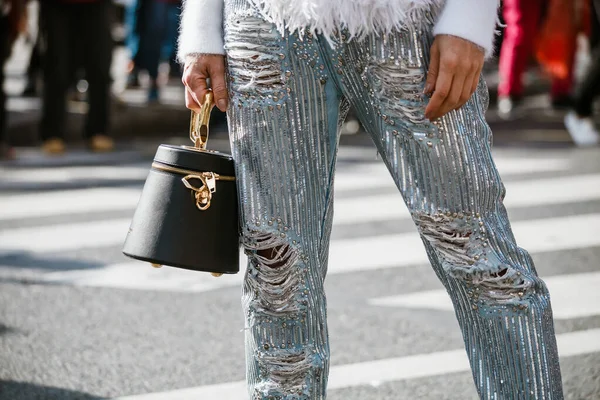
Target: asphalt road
[{"x": 80, "y": 321}]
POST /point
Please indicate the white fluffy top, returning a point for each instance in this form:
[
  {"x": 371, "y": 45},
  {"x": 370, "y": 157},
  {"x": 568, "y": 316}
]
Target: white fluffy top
[{"x": 474, "y": 20}]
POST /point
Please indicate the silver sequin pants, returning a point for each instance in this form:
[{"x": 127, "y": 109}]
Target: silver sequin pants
[{"x": 289, "y": 96}]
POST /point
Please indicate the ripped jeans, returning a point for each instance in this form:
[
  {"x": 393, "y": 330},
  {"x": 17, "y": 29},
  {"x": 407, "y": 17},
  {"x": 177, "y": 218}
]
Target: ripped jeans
[{"x": 289, "y": 96}]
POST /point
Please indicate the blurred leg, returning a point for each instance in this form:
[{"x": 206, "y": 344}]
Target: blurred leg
[
  {"x": 152, "y": 35},
  {"x": 171, "y": 49},
  {"x": 4, "y": 53},
  {"x": 97, "y": 57},
  {"x": 132, "y": 36},
  {"x": 522, "y": 18},
  {"x": 589, "y": 87},
  {"x": 56, "y": 64}
]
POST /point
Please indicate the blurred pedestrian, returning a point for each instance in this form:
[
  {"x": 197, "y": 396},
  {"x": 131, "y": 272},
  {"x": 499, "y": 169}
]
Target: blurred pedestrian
[
  {"x": 132, "y": 42},
  {"x": 153, "y": 33},
  {"x": 578, "y": 121},
  {"x": 523, "y": 20},
  {"x": 169, "y": 51},
  {"x": 12, "y": 22},
  {"x": 411, "y": 69},
  {"x": 77, "y": 33},
  {"x": 34, "y": 68}
]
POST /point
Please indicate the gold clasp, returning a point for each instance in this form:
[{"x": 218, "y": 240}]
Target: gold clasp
[
  {"x": 204, "y": 193},
  {"x": 199, "y": 123}
]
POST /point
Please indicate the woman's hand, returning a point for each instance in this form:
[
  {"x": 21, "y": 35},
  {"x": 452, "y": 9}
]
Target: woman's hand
[
  {"x": 199, "y": 68},
  {"x": 454, "y": 69}
]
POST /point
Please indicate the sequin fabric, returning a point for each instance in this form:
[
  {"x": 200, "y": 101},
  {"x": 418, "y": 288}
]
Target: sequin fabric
[{"x": 289, "y": 96}]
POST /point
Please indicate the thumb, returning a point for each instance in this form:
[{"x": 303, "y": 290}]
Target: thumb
[{"x": 434, "y": 67}]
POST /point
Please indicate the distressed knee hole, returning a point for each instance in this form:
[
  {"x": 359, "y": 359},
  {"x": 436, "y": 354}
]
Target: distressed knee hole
[
  {"x": 274, "y": 272},
  {"x": 286, "y": 373},
  {"x": 400, "y": 90},
  {"x": 255, "y": 57},
  {"x": 462, "y": 245}
]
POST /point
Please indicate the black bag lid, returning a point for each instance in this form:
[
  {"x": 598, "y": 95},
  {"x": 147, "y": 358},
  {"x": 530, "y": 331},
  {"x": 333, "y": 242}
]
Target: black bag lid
[{"x": 202, "y": 161}]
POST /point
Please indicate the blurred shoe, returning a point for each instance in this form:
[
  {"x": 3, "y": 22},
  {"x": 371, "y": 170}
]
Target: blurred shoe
[
  {"x": 133, "y": 80},
  {"x": 582, "y": 130},
  {"x": 54, "y": 146},
  {"x": 30, "y": 90},
  {"x": 6, "y": 152},
  {"x": 153, "y": 95},
  {"x": 174, "y": 70},
  {"x": 563, "y": 102},
  {"x": 101, "y": 143},
  {"x": 507, "y": 106}
]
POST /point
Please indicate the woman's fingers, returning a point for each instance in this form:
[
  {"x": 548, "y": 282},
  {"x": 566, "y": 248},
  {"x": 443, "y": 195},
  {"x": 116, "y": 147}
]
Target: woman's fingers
[
  {"x": 190, "y": 101},
  {"x": 443, "y": 89},
  {"x": 459, "y": 66},
  {"x": 454, "y": 99},
  {"x": 197, "y": 71}
]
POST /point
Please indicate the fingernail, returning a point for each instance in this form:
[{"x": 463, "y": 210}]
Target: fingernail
[
  {"x": 427, "y": 89},
  {"x": 222, "y": 105}
]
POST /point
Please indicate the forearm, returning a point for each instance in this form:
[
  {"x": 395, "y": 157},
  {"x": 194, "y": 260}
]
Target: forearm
[{"x": 201, "y": 28}]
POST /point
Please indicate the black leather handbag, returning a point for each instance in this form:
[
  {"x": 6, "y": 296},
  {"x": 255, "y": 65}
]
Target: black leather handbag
[{"x": 187, "y": 216}]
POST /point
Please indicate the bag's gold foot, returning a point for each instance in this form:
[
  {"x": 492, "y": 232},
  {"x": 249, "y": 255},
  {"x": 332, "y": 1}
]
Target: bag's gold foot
[
  {"x": 215, "y": 274},
  {"x": 156, "y": 265}
]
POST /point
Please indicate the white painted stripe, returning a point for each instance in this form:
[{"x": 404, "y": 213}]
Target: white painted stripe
[
  {"x": 68, "y": 202},
  {"x": 349, "y": 255},
  {"x": 352, "y": 210},
  {"x": 370, "y": 208},
  {"x": 76, "y": 174},
  {"x": 573, "y": 296},
  {"x": 380, "y": 371},
  {"x": 368, "y": 176},
  {"x": 538, "y": 192},
  {"x": 66, "y": 237},
  {"x": 541, "y": 235},
  {"x": 363, "y": 209},
  {"x": 141, "y": 276}
]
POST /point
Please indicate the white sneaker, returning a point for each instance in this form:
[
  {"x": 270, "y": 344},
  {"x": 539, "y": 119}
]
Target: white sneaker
[{"x": 582, "y": 130}]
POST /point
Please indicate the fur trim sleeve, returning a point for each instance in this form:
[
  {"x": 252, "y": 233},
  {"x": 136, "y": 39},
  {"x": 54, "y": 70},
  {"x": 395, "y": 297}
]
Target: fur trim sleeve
[
  {"x": 473, "y": 20},
  {"x": 201, "y": 28}
]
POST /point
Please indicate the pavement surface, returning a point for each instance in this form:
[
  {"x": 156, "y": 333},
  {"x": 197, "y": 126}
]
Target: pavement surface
[{"x": 78, "y": 320}]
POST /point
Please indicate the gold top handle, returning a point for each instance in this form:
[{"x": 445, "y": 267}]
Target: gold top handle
[{"x": 199, "y": 123}]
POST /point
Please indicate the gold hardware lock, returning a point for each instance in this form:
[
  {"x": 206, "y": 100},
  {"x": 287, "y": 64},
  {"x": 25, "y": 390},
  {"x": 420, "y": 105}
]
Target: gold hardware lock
[
  {"x": 156, "y": 265},
  {"x": 204, "y": 193}
]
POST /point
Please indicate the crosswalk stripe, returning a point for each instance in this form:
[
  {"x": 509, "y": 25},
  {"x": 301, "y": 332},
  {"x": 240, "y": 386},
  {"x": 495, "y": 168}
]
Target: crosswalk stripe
[
  {"x": 141, "y": 276},
  {"x": 375, "y": 175},
  {"x": 76, "y": 174},
  {"x": 374, "y": 373},
  {"x": 537, "y": 192},
  {"x": 505, "y": 165},
  {"x": 347, "y": 210},
  {"x": 540, "y": 235},
  {"x": 573, "y": 296},
  {"x": 68, "y": 202},
  {"x": 369, "y": 176},
  {"x": 346, "y": 255},
  {"x": 64, "y": 237}
]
